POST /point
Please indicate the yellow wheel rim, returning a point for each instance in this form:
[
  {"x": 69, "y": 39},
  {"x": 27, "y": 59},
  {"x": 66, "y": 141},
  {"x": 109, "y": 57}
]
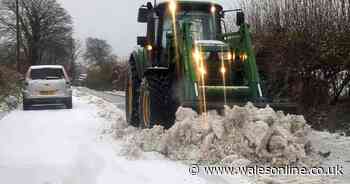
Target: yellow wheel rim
[{"x": 146, "y": 109}]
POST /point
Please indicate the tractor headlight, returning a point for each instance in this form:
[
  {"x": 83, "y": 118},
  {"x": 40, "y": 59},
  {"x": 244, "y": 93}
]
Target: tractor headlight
[
  {"x": 213, "y": 9},
  {"x": 202, "y": 70},
  {"x": 223, "y": 70},
  {"x": 172, "y": 6},
  {"x": 227, "y": 56},
  {"x": 197, "y": 56},
  {"x": 149, "y": 47},
  {"x": 243, "y": 56}
]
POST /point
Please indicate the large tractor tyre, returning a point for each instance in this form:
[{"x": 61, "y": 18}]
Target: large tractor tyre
[
  {"x": 157, "y": 106},
  {"x": 132, "y": 96}
]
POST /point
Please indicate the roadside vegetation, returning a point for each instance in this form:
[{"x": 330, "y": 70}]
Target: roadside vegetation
[
  {"x": 45, "y": 37},
  {"x": 46, "y": 33},
  {"x": 9, "y": 82},
  {"x": 106, "y": 71},
  {"x": 303, "y": 52}
]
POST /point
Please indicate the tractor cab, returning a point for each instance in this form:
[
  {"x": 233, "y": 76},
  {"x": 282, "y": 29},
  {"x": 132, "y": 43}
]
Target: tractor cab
[
  {"x": 167, "y": 20},
  {"x": 190, "y": 34}
]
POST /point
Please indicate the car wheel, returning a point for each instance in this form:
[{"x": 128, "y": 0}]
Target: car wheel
[
  {"x": 26, "y": 105},
  {"x": 69, "y": 103}
]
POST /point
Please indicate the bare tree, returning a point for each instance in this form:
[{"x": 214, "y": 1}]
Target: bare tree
[
  {"x": 120, "y": 72},
  {"x": 75, "y": 53},
  {"x": 98, "y": 51},
  {"x": 7, "y": 53},
  {"x": 46, "y": 29}
]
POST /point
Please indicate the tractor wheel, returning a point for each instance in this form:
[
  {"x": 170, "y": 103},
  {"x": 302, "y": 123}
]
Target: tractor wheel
[
  {"x": 132, "y": 95},
  {"x": 157, "y": 106}
]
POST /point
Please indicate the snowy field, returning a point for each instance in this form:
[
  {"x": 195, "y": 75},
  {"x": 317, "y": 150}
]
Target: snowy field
[{"x": 92, "y": 144}]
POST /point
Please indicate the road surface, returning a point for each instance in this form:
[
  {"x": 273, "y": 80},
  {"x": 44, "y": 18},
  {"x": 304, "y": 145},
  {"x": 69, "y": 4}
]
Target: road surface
[
  {"x": 60, "y": 146},
  {"x": 117, "y": 100},
  {"x": 2, "y": 114}
]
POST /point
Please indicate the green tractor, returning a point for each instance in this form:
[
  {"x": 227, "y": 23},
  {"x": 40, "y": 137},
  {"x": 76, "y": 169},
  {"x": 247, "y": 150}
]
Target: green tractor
[{"x": 188, "y": 58}]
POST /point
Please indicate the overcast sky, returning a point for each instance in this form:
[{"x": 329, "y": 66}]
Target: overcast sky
[{"x": 112, "y": 20}]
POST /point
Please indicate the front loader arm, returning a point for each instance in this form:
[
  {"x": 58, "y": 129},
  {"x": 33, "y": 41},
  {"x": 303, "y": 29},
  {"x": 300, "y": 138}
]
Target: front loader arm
[
  {"x": 241, "y": 43},
  {"x": 180, "y": 49}
]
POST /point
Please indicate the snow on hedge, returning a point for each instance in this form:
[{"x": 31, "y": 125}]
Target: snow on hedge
[{"x": 9, "y": 103}]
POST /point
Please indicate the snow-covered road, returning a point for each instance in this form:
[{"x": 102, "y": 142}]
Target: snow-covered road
[{"x": 65, "y": 147}]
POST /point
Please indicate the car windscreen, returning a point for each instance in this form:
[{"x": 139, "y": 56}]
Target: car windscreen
[{"x": 47, "y": 74}]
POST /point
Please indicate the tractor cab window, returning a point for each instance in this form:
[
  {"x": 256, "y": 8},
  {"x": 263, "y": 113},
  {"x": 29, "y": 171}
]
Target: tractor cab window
[
  {"x": 228, "y": 26},
  {"x": 203, "y": 25},
  {"x": 167, "y": 29}
]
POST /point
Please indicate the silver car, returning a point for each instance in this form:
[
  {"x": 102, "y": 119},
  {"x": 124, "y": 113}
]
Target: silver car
[{"x": 47, "y": 84}]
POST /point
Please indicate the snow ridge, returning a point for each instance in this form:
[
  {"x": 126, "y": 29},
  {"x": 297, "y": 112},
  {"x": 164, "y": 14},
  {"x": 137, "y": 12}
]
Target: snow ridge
[
  {"x": 245, "y": 136},
  {"x": 261, "y": 136}
]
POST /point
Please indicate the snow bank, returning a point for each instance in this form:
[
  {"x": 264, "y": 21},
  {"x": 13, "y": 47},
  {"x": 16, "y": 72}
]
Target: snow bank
[
  {"x": 115, "y": 92},
  {"x": 245, "y": 136},
  {"x": 107, "y": 111},
  {"x": 247, "y": 133}
]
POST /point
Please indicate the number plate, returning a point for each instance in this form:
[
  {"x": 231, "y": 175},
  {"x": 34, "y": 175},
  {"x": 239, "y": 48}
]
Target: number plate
[{"x": 47, "y": 93}]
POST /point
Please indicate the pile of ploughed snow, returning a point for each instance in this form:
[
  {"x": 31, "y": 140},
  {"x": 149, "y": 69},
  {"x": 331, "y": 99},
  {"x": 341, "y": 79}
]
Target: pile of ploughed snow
[{"x": 245, "y": 134}]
